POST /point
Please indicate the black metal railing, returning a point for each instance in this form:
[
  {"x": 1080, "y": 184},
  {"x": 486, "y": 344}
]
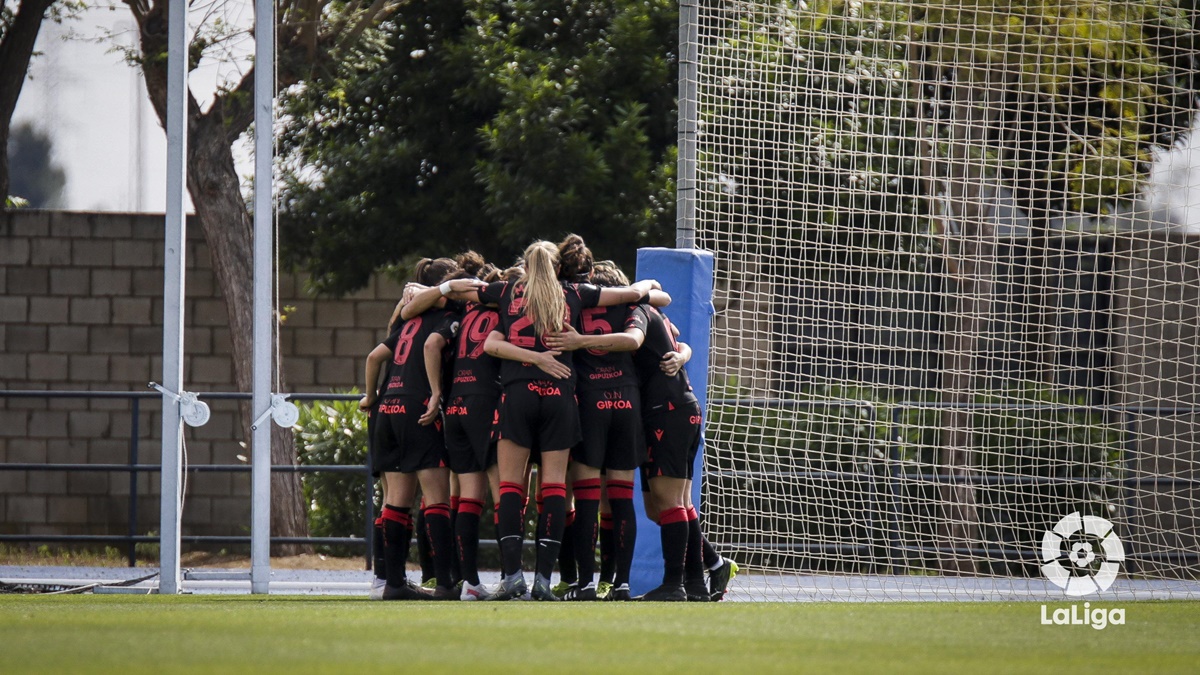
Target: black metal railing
[{"x": 134, "y": 467}]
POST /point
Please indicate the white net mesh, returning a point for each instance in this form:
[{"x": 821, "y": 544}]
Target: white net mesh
[{"x": 958, "y": 294}]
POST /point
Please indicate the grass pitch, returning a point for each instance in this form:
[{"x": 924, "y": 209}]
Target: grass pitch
[{"x": 85, "y": 633}]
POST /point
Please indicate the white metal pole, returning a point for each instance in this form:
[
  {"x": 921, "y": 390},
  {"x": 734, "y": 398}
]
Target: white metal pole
[
  {"x": 685, "y": 187},
  {"x": 260, "y": 478},
  {"x": 173, "y": 294}
]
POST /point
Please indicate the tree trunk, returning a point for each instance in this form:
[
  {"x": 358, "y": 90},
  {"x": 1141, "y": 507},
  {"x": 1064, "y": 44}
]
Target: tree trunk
[
  {"x": 213, "y": 185},
  {"x": 16, "y": 48},
  {"x": 962, "y": 187}
]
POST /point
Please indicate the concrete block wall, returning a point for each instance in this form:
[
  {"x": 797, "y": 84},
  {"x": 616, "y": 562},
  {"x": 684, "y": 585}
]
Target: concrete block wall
[{"x": 81, "y": 310}]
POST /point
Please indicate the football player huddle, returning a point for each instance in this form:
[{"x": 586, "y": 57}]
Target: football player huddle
[{"x": 486, "y": 373}]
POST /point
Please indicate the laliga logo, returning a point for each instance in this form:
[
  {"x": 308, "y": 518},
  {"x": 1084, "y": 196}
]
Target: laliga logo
[
  {"x": 1076, "y": 575},
  {"x": 1081, "y": 555}
]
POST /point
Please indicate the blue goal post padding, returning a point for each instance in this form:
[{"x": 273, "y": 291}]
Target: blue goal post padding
[{"x": 687, "y": 274}]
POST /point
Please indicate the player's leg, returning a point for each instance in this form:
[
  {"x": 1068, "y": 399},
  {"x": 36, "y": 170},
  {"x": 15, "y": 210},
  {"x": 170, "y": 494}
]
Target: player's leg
[
  {"x": 512, "y": 461},
  {"x": 586, "y": 483},
  {"x": 455, "y": 494},
  {"x": 435, "y": 485},
  {"x": 720, "y": 569},
  {"x": 568, "y": 569},
  {"x": 668, "y": 493},
  {"x": 474, "y": 487},
  {"x": 397, "y": 535},
  {"x": 624, "y": 529},
  {"x": 553, "y": 473},
  {"x": 377, "y": 561},
  {"x": 604, "y": 536},
  {"x": 424, "y": 550}
]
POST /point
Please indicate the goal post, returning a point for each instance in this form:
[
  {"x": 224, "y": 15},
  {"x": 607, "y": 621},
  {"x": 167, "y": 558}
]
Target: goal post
[{"x": 955, "y": 247}]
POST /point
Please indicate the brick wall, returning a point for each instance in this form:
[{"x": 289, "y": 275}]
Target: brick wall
[{"x": 81, "y": 309}]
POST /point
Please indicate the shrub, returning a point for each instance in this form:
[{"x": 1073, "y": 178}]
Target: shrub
[{"x": 334, "y": 432}]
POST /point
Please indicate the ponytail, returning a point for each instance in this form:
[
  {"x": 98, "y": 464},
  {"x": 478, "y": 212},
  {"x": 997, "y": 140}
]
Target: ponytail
[{"x": 544, "y": 302}]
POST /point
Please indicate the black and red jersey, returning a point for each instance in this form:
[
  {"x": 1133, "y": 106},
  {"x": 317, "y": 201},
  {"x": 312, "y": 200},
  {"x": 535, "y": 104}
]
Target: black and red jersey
[
  {"x": 475, "y": 371},
  {"x": 406, "y": 372},
  {"x": 597, "y": 369},
  {"x": 519, "y": 330},
  {"x": 658, "y": 388}
]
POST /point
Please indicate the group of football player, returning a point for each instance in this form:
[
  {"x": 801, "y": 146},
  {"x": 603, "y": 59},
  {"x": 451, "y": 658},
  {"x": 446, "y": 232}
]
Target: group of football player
[{"x": 557, "y": 363}]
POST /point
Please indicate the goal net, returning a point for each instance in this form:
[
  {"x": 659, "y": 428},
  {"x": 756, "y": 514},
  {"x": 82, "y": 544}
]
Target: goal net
[{"x": 957, "y": 344}]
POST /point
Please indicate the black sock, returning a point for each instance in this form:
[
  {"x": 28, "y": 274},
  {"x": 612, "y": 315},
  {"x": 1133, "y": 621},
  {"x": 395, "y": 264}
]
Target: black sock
[
  {"x": 694, "y": 562},
  {"x": 624, "y": 523},
  {"x": 674, "y": 527},
  {"x": 509, "y": 528},
  {"x": 587, "y": 507},
  {"x": 567, "y": 569},
  {"x": 550, "y": 527},
  {"x": 397, "y": 536},
  {"x": 441, "y": 542},
  {"x": 377, "y": 559},
  {"x": 712, "y": 559},
  {"x": 455, "y": 569},
  {"x": 466, "y": 534},
  {"x": 424, "y": 554},
  {"x": 608, "y": 562}
]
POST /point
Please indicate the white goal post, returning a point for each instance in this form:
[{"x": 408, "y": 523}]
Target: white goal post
[{"x": 957, "y": 280}]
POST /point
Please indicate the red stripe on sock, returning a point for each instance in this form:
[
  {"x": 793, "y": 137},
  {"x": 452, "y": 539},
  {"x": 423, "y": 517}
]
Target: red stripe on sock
[
  {"x": 554, "y": 490},
  {"x": 677, "y": 514},
  {"x": 454, "y": 502},
  {"x": 442, "y": 509},
  {"x": 379, "y": 521},
  {"x": 496, "y": 518},
  {"x": 422, "y": 503},
  {"x": 606, "y": 521},
  {"x": 472, "y": 506},
  {"x": 691, "y": 513},
  {"x": 620, "y": 489},
  {"x": 397, "y": 517},
  {"x": 512, "y": 488},
  {"x": 587, "y": 489}
]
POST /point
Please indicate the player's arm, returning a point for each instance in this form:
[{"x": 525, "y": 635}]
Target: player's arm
[
  {"x": 570, "y": 339},
  {"x": 428, "y": 297},
  {"x": 375, "y": 361},
  {"x": 673, "y": 362},
  {"x": 434, "y": 345},
  {"x": 500, "y": 348},
  {"x": 634, "y": 293}
]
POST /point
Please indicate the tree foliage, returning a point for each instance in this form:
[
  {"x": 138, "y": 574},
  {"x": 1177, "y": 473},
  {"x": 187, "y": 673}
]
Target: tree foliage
[
  {"x": 20, "y": 23},
  {"x": 486, "y": 126},
  {"x": 36, "y": 177}
]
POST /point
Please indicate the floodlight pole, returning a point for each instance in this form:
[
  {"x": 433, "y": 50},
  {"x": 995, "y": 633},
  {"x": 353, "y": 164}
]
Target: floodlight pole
[
  {"x": 174, "y": 266},
  {"x": 264, "y": 315},
  {"x": 685, "y": 185}
]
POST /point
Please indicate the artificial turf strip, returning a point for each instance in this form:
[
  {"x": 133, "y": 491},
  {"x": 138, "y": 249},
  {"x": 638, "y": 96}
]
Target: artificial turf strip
[{"x": 73, "y": 634}]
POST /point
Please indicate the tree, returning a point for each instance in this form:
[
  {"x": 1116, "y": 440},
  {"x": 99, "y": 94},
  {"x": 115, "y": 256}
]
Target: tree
[
  {"x": 311, "y": 36},
  {"x": 37, "y": 178},
  {"x": 20, "y": 23},
  {"x": 486, "y": 125}
]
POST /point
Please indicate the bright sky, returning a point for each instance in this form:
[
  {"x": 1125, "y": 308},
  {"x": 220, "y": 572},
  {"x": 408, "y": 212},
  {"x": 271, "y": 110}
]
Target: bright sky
[{"x": 95, "y": 110}]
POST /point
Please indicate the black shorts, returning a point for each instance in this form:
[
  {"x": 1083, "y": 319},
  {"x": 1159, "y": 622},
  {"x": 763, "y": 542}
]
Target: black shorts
[
  {"x": 612, "y": 420},
  {"x": 401, "y": 445},
  {"x": 540, "y": 414},
  {"x": 469, "y": 445},
  {"x": 672, "y": 441}
]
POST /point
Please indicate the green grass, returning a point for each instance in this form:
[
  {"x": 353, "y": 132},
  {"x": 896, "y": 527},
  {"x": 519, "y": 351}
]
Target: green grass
[{"x": 85, "y": 633}]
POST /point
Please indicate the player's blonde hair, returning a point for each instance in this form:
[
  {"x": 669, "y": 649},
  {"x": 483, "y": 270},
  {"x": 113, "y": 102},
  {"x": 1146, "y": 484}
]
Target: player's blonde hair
[{"x": 544, "y": 302}]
